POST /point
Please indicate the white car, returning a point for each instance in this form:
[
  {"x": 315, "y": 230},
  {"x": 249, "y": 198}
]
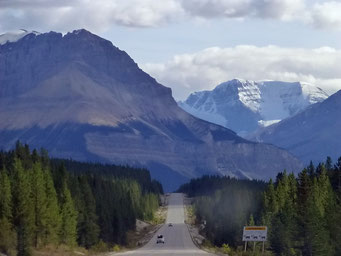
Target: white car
[{"x": 160, "y": 239}]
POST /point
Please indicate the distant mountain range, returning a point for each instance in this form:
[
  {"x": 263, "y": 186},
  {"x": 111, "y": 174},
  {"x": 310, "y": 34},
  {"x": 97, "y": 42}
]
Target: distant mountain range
[
  {"x": 312, "y": 134},
  {"x": 245, "y": 106},
  {"x": 80, "y": 97}
]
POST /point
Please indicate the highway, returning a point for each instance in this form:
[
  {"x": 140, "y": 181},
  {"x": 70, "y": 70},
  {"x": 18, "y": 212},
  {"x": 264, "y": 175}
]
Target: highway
[{"x": 177, "y": 238}]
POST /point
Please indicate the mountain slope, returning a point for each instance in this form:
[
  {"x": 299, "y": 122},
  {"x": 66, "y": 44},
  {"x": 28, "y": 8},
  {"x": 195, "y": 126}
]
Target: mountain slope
[
  {"x": 244, "y": 106},
  {"x": 81, "y": 97},
  {"x": 312, "y": 134}
]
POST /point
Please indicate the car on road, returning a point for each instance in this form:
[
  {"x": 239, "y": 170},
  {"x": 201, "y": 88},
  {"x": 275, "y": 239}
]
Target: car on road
[
  {"x": 170, "y": 225},
  {"x": 160, "y": 239}
]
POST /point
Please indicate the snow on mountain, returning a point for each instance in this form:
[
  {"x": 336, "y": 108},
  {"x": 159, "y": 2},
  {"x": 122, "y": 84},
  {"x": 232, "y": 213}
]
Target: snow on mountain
[
  {"x": 311, "y": 135},
  {"x": 244, "y": 106},
  {"x": 81, "y": 97},
  {"x": 15, "y": 36}
]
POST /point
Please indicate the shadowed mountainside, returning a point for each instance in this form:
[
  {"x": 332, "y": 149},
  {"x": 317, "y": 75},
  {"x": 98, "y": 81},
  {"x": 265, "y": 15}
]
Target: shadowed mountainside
[
  {"x": 80, "y": 97},
  {"x": 312, "y": 134}
]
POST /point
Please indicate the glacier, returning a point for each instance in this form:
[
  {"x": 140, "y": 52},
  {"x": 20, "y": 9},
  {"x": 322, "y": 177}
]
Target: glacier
[{"x": 245, "y": 106}]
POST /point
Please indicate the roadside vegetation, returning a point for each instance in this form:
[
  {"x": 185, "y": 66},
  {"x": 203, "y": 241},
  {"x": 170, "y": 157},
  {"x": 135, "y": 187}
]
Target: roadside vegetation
[
  {"x": 56, "y": 207},
  {"x": 302, "y": 212}
]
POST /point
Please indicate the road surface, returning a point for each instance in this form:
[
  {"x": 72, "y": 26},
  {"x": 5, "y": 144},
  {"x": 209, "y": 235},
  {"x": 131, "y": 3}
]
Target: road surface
[{"x": 177, "y": 238}]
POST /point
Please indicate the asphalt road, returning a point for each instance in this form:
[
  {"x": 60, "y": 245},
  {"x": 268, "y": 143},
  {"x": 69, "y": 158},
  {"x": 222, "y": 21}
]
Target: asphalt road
[{"x": 177, "y": 238}]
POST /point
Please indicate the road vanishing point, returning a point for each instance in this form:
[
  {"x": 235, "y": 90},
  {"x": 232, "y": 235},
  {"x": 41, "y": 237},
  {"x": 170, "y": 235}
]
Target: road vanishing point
[{"x": 177, "y": 238}]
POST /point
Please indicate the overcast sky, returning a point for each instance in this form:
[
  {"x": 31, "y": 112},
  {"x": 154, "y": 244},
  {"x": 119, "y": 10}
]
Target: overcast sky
[{"x": 192, "y": 45}]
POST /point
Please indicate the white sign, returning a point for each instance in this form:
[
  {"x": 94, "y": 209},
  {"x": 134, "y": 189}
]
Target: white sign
[{"x": 255, "y": 233}]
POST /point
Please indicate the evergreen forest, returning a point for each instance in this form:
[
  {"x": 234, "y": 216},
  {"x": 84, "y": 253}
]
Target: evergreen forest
[
  {"x": 47, "y": 201},
  {"x": 302, "y": 212}
]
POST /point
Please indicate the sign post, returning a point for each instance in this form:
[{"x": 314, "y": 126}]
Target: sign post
[{"x": 255, "y": 234}]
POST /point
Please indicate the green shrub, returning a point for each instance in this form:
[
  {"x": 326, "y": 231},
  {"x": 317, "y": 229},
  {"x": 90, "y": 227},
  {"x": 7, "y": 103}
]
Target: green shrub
[
  {"x": 226, "y": 248},
  {"x": 116, "y": 248}
]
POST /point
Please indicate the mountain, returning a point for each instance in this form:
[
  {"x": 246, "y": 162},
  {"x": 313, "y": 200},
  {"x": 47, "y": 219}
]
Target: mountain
[
  {"x": 80, "y": 97},
  {"x": 312, "y": 134},
  {"x": 245, "y": 106},
  {"x": 14, "y": 36}
]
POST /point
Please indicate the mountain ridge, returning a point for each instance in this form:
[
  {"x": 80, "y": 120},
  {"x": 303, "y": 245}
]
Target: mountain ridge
[
  {"x": 80, "y": 97},
  {"x": 311, "y": 134},
  {"x": 244, "y": 106}
]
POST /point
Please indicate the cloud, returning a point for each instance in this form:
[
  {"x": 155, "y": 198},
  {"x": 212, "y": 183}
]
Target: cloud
[
  {"x": 326, "y": 15},
  {"x": 99, "y": 15},
  {"x": 207, "y": 68},
  {"x": 276, "y": 9}
]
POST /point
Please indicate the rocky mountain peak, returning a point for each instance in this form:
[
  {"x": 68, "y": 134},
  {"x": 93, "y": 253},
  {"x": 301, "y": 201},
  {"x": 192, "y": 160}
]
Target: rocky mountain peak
[
  {"x": 14, "y": 36},
  {"x": 312, "y": 134},
  {"x": 244, "y": 105},
  {"x": 80, "y": 97}
]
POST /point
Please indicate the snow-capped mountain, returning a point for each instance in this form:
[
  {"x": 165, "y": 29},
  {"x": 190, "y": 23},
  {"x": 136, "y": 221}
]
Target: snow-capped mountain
[
  {"x": 244, "y": 106},
  {"x": 313, "y": 134},
  {"x": 13, "y": 36},
  {"x": 80, "y": 97}
]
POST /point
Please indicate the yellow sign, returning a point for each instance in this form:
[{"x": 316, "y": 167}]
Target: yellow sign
[{"x": 255, "y": 228}]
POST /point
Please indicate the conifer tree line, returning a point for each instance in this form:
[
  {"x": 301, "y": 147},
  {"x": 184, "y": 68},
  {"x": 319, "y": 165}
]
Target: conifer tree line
[
  {"x": 302, "y": 213},
  {"x": 224, "y": 204},
  {"x": 42, "y": 203}
]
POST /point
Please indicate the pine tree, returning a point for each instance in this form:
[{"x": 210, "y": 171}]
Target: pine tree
[
  {"x": 317, "y": 240},
  {"x": 326, "y": 196},
  {"x": 23, "y": 210},
  {"x": 311, "y": 169},
  {"x": 39, "y": 200},
  {"x": 283, "y": 222},
  {"x": 7, "y": 234},
  {"x": 338, "y": 177},
  {"x": 23, "y": 153},
  {"x": 292, "y": 190},
  {"x": 282, "y": 190},
  {"x": 60, "y": 176},
  {"x": 79, "y": 205},
  {"x": 290, "y": 211},
  {"x": 53, "y": 218},
  {"x": 251, "y": 220},
  {"x": 336, "y": 229},
  {"x": 329, "y": 163},
  {"x": 303, "y": 189},
  {"x": 135, "y": 195},
  {"x": 329, "y": 214},
  {"x": 35, "y": 156},
  {"x": 44, "y": 156},
  {"x": 88, "y": 230},
  {"x": 278, "y": 235},
  {"x": 68, "y": 233},
  {"x": 272, "y": 199},
  {"x": 5, "y": 196},
  {"x": 270, "y": 207}
]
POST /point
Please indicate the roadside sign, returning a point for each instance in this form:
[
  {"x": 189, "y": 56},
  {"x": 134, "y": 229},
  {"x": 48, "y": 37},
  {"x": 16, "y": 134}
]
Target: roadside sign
[{"x": 255, "y": 233}]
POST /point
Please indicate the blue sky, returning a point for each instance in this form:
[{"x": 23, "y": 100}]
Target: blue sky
[
  {"x": 162, "y": 43},
  {"x": 192, "y": 45}
]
